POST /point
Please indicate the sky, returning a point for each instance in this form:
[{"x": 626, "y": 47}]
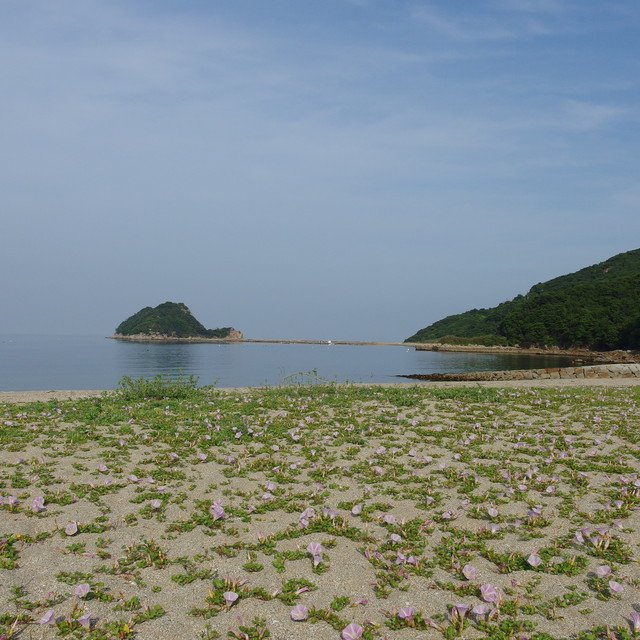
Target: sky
[{"x": 343, "y": 169}]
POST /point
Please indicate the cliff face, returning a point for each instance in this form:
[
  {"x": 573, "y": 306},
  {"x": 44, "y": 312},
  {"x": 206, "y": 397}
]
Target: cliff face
[{"x": 170, "y": 321}]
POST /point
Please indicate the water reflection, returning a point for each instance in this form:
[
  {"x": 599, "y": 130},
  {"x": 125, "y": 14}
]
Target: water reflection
[
  {"x": 152, "y": 359},
  {"x": 91, "y": 362}
]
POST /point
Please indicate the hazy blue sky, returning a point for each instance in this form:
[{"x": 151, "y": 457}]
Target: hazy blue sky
[{"x": 309, "y": 168}]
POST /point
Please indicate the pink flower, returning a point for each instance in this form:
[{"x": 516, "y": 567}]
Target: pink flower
[
  {"x": 48, "y": 618},
  {"x": 634, "y": 622},
  {"x": 156, "y": 504},
  {"x": 459, "y": 611},
  {"x": 315, "y": 549},
  {"x": 603, "y": 571},
  {"x": 71, "y": 529},
  {"x": 103, "y": 468},
  {"x": 615, "y": 587},
  {"x": 389, "y": 518},
  {"x": 488, "y": 593},
  {"x": 356, "y": 510},
  {"x": 217, "y": 511},
  {"x": 299, "y": 613},
  {"x": 480, "y": 610},
  {"x": 37, "y": 505},
  {"x": 352, "y": 631},
  {"x": 534, "y": 560},
  {"x": 469, "y": 572},
  {"x": 85, "y": 620},
  {"x": 406, "y": 613},
  {"x": 82, "y": 590},
  {"x": 230, "y": 597}
]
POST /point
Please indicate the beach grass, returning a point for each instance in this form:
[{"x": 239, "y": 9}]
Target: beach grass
[{"x": 164, "y": 510}]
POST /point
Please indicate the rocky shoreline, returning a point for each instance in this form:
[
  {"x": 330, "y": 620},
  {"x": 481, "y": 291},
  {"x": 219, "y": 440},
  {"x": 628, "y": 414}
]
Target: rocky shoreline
[
  {"x": 158, "y": 338},
  {"x": 593, "y": 372},
  {"x": 586, "y": 355}
]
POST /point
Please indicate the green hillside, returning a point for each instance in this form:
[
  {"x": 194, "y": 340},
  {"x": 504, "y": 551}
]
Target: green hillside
[
  {"x": 169, "y": 319},
  {"x": 597, "y": 307}
]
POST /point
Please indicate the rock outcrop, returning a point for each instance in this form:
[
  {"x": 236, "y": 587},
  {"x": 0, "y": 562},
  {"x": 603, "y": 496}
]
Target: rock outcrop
[{"x": 555, "y": 373}]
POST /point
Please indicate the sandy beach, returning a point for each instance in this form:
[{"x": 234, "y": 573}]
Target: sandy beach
[{"x": 430, "y": 510}]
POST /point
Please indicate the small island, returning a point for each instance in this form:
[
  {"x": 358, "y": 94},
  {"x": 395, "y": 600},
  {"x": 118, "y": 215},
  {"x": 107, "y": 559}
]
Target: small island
[{"x": 171, "y": 322}]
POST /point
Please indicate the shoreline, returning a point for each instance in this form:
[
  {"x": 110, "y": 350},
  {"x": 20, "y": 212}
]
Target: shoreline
[
  {"x": 600, "y": 357},
  {"x": 200, "y": 340},
  {"x": 18, "y": 397},
  {"x": 593, "y": 357}
]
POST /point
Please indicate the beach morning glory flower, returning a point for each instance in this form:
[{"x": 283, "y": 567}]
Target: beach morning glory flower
[
  {"x": 156, "y": 504},
  {"x": 103, "y": 468},
  {"x": 37, "y": 505},
  {"x": 480, "y": 610},
  {"x": 352, "y": 631},
  {"x": 82, "y": 590},
  {"x": 603, "y": 571},
  {"x": 615, "y": 587},
  {"x": 299, "y": 613},
  {"x": 534, "y": 560},
  {"x": 459, "y": 612},
  {"x": 315, "y": 549},
  {"x": 634, "y": 622},
  {"x": 71, "y": 529},
  {"x": 48, "y": 618},
  {"x": 217, "y": 511},
  {"x": 85, "y": 620},
  {"x": 230, "y": 597},
  {"x": 356, "y": 510},
  {"x": 406, "y": 613},
  {"x": 469, "y": 572},
  {"x": 488, "y": 593}
]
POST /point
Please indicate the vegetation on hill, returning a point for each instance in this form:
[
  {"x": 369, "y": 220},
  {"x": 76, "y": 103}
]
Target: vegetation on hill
[
  {"x": 168, "y": 319},
  {"x": 597, "y": 307}
]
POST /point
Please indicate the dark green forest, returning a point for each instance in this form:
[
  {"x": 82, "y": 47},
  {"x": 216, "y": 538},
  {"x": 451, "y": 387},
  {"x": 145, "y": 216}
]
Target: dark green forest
[
  {"x": 597, "y": 307},
  {"x": 170, "y": 319}
]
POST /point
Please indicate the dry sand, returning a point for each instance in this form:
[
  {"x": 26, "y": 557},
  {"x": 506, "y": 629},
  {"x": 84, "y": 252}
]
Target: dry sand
[{"x": 434, "y": 458}]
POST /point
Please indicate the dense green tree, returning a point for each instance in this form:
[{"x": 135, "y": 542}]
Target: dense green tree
[
  {"x": 169, "y": 319},
  {"x": 597, "y": 307}
]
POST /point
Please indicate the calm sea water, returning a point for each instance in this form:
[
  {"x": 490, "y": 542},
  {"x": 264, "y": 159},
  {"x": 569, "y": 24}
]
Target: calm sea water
[{"x": 93, "y": 362}]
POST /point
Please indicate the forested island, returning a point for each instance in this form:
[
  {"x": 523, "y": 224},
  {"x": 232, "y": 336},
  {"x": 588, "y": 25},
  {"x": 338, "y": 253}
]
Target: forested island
[
  {"x": 170, "y": 321},
  {"x": 595, "y": 308}
]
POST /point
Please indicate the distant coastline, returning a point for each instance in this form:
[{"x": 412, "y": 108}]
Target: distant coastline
[
  {"x": 157, "y": 338},
  {"x": 579, "y": 355}
]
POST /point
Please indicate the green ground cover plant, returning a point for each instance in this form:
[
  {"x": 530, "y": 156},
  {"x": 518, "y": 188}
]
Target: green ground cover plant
[{"x": 165, "y": 510}]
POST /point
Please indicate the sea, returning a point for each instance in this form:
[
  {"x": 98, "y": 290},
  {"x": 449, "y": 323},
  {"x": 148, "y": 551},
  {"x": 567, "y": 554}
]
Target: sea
[{"x": 30, "y": 362}]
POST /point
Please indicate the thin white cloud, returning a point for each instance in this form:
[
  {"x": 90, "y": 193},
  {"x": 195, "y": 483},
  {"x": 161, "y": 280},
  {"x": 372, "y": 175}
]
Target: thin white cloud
[
  {"x": 590, "y": 116},
  {"x": 462, "y": 29},
  {"x": 533, "y": 6}
]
